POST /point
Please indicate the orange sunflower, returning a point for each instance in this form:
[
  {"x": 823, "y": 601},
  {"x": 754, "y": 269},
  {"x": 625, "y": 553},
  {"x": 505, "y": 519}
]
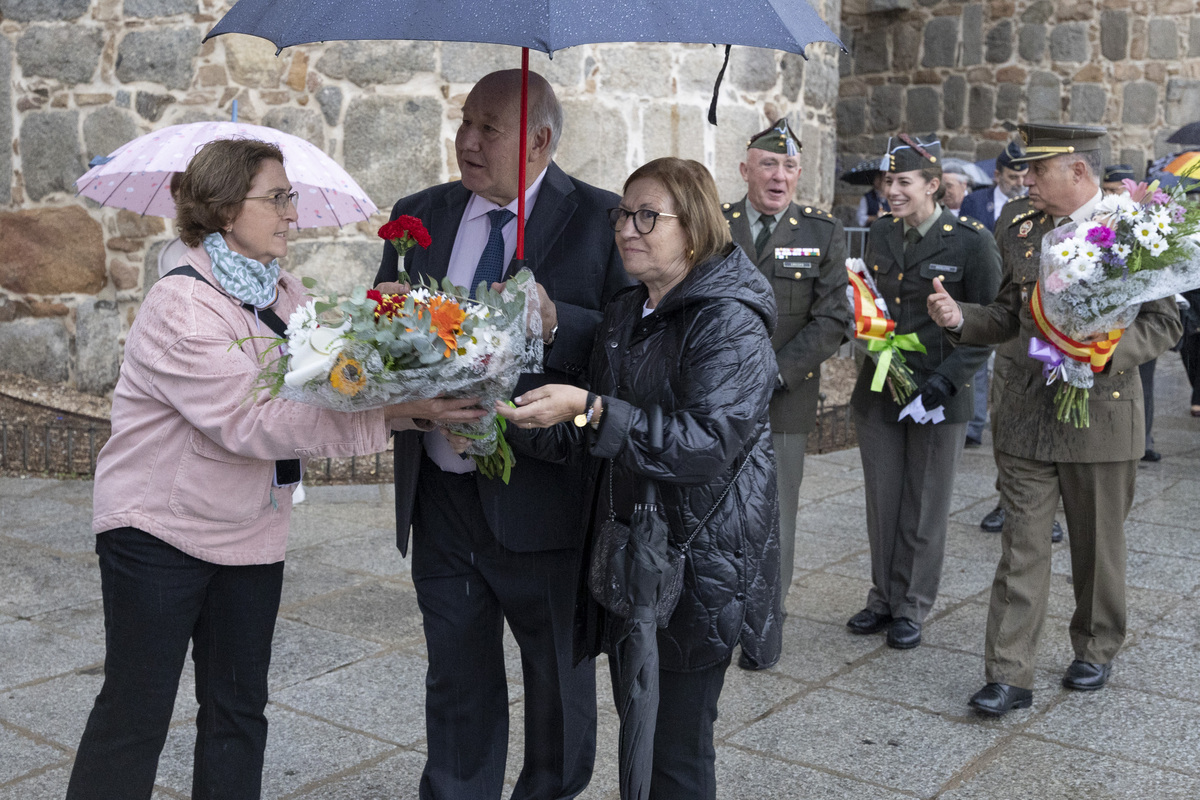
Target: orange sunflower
[
  {"x": 347, "y": 376},
  {"x": 446, "y": 319}
]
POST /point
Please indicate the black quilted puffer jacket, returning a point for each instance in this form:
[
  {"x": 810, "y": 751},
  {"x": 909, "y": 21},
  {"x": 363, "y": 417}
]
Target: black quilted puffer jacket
[{"x": 704, "y": 356}]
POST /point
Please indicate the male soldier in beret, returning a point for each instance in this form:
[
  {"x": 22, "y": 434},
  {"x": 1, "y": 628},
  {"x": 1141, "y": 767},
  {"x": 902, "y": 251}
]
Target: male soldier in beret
[
  {"x": 802, "y": 251},
  {"x": 1040, "y": 459}
]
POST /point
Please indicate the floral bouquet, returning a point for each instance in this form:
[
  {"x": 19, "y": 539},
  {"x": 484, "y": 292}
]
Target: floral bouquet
[
  {"x": 1095, "y": 275},
  {"x": 875, "y": 332},
  {"x": 370, "y": 350}
]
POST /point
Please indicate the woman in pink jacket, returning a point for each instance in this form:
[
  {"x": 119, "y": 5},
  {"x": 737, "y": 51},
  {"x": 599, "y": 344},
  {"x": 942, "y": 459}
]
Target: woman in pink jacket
[{"x": 194, "y": 490}]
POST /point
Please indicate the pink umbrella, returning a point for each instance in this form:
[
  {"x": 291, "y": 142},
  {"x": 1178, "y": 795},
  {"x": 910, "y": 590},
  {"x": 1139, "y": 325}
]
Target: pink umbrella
[{"x": 137, "y": 175}]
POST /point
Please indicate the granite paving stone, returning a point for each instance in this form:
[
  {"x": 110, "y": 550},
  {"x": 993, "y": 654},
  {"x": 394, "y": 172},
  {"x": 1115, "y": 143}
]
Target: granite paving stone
[
  {"x": 813, "y": 651},
  {"x": 1028, "y": 769},
  {"x": 1140, "y": 726},
  {"x": 32, "y": 652},
  {"x": 377, "y": 609},
  {"x": 900, "y": 748},
  {"x": 758, "y": 775},
  {"x": 24, "y": 755},
  {"x": 383, "y": 696},
  {"x": 300, "y": 750},
  {"x": 840, "y": 717},
  {"x": 300, "y": 652}
]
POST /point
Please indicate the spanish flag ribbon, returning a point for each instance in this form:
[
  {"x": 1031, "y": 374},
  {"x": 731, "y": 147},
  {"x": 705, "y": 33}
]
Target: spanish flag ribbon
[
  {"x": 869, "y": 321},
  {"x": 1096, "y": 354}
]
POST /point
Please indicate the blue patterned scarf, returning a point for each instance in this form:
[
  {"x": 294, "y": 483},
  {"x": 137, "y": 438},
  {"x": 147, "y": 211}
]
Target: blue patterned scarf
[{"x": 248, "y": 280}]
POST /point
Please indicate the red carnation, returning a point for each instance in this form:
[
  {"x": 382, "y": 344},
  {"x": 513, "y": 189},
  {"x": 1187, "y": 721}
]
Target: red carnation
[{"x": 406, "y": 230}]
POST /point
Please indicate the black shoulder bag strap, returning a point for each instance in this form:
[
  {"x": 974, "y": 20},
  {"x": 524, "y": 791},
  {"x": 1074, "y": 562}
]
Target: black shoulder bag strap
[{"x": 287, "y": 471}]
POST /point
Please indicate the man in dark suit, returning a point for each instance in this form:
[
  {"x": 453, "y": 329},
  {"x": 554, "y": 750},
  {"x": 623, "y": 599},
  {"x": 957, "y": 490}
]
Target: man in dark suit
[
  {"x": 1039, "y": 458},
  {"x": 484, "y": 552},
  {"x": 802, "y": 251},
  {"x": 984, "y": 204}
]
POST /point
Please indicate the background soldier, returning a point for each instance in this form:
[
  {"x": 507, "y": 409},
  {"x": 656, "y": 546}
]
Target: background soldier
[
  {"x": 802, "y": 251},
  {"x": 1040, "y": 458}
]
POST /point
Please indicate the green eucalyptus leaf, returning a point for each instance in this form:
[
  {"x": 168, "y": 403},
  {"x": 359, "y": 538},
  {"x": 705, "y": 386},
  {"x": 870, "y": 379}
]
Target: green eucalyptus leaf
[{"x": 308, "y": 282}]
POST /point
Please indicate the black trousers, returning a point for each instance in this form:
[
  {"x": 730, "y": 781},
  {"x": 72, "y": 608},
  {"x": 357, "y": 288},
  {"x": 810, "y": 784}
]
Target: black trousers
[
  {"x": 467, "y": 586},
  {"x": 685, "y": 759},
  {"x": 157, "y": 599}
]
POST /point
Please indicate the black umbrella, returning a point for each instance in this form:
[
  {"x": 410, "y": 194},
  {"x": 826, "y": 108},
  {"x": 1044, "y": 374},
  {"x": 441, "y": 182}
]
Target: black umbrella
[
  {"x": 548, "y": 25},
  {"x": 634, "y": 658},
  {"x": 863, "y": 173},
  {"x": 1188, "y": 134}
]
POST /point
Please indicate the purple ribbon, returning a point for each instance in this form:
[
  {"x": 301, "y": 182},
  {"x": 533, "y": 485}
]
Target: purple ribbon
[{"x": 1050, "y": 356}]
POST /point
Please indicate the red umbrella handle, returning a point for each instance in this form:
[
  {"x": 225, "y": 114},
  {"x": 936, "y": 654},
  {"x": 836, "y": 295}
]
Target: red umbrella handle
[{"x": 520, "y": 254}]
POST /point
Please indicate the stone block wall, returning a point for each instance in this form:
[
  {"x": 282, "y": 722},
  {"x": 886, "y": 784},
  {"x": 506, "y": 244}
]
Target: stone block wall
[
  {"x": 81, "y": 77},
  {"x": 963, "y": 68}
]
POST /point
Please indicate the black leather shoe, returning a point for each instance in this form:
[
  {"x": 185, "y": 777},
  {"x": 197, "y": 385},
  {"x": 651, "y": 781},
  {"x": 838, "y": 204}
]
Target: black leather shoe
[
  {"x": 1152, "y": 456},
  {"x": 994, "y": 521},
  {"x": 867, "y": 621},
  {"x": 1056, "y": 532},
  {"x": 904, "y": 634},
  {"x": 748, "y": 663},
  {"x": 997, "y": 699},
  {"x": 1083, "y": 676},
  {"x": 973, "y": 442}
]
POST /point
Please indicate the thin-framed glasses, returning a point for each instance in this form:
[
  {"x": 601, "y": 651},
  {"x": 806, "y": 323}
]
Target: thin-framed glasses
[
  {"x": 280, "y": 200},
  {"x": 643, "y": 218}
]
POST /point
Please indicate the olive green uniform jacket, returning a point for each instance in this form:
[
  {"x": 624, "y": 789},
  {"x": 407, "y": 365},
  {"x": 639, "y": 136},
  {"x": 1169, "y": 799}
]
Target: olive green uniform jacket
[
  {"x": 1025, "y": 405},
  {"x": 805, "y": 261},
  {"x": 957, "y": 249}
]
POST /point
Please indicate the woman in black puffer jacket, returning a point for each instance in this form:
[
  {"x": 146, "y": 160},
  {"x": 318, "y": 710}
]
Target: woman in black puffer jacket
[{"x": 692, "y": 337}]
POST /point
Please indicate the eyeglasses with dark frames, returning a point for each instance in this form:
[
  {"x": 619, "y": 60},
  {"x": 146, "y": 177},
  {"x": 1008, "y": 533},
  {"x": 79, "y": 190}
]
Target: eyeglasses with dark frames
[
  {"x": 281, "y": 200},
  {"x": 643, "y": 218}
]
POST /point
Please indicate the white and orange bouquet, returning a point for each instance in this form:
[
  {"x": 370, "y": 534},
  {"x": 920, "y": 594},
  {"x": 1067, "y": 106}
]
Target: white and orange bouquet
[{"x": 369, "y": 350}]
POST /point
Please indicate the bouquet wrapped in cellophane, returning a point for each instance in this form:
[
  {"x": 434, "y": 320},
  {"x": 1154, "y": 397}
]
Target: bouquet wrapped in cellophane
[
  {"x": 370, "y": 350},
  {"x": 1137, "y": 247},
  {"x": 875, "y": 332}
]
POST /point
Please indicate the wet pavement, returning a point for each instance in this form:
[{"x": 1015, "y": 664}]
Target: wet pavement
[{"x": 841, "y": 716}]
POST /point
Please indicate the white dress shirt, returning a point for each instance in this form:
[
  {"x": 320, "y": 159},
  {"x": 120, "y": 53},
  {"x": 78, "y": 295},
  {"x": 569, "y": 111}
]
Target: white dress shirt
[{"x": 472, "y": 237}]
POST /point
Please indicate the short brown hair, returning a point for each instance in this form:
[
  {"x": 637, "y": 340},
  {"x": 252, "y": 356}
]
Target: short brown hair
[
  {"x": 210, "y": 194},
  {"x": 697, "y": 203}
]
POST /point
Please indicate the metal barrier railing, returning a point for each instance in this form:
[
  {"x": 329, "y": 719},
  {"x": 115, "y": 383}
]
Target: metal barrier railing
[{"x": 856, "y": 242}]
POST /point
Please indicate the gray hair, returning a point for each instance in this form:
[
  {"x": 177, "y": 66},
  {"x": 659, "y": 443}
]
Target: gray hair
[
  {"x": 1094, "y": 161},
  {"x": 544, "y": 110}
]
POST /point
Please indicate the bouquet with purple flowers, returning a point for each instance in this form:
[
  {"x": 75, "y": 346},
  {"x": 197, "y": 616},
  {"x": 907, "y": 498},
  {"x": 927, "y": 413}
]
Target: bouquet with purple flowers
[{"x": 1138, "y": 246}]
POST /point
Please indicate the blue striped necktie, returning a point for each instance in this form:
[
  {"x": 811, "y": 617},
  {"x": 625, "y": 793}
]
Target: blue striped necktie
[{"x": 491, "y": 262}]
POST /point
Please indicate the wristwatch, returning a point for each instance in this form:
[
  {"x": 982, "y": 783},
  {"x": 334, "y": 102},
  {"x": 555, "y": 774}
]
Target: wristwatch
[{"x": 585, "y": 417}]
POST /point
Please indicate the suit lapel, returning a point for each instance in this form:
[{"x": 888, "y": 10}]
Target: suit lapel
[
  {"x": 443, "y": 229},
  {"x": 550, "y": 214}
]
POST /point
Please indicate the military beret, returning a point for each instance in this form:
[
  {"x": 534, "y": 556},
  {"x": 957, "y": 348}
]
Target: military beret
[{"x": 776, "y": 139}]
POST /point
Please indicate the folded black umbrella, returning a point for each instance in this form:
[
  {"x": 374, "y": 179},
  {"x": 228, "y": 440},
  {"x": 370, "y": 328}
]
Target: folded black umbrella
[
  {"x": 634, "y": 659},
  {"x": 863, "y": 173}
]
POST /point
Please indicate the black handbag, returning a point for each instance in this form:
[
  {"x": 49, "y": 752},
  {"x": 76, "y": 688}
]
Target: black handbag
[{"x": 609, "y": 568}]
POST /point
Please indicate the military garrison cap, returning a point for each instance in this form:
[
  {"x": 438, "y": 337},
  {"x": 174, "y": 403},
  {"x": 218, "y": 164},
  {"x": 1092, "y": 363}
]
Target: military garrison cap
[
  {"x": 1045, "y": 140},
  {"x": 1009, "y": 158},
  {"x": 906, "y": 153},
  {"x": 1115, "y": 173},
  {"x": 776, "y": 139}
]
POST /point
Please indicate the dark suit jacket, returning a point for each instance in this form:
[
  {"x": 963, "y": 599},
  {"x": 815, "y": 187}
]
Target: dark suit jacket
[
  {"x": 1024, "y": 417},
  {"x": 964, "y": 254},
  {"x": 981, "y": 205},
  {"x": 810, "y": 292},
  {"x": 571, "y": 250}
]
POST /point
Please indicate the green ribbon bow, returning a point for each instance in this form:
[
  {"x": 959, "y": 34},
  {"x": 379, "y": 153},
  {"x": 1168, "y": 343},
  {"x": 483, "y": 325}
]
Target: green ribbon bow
[{"x": 886, "y": 347}]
